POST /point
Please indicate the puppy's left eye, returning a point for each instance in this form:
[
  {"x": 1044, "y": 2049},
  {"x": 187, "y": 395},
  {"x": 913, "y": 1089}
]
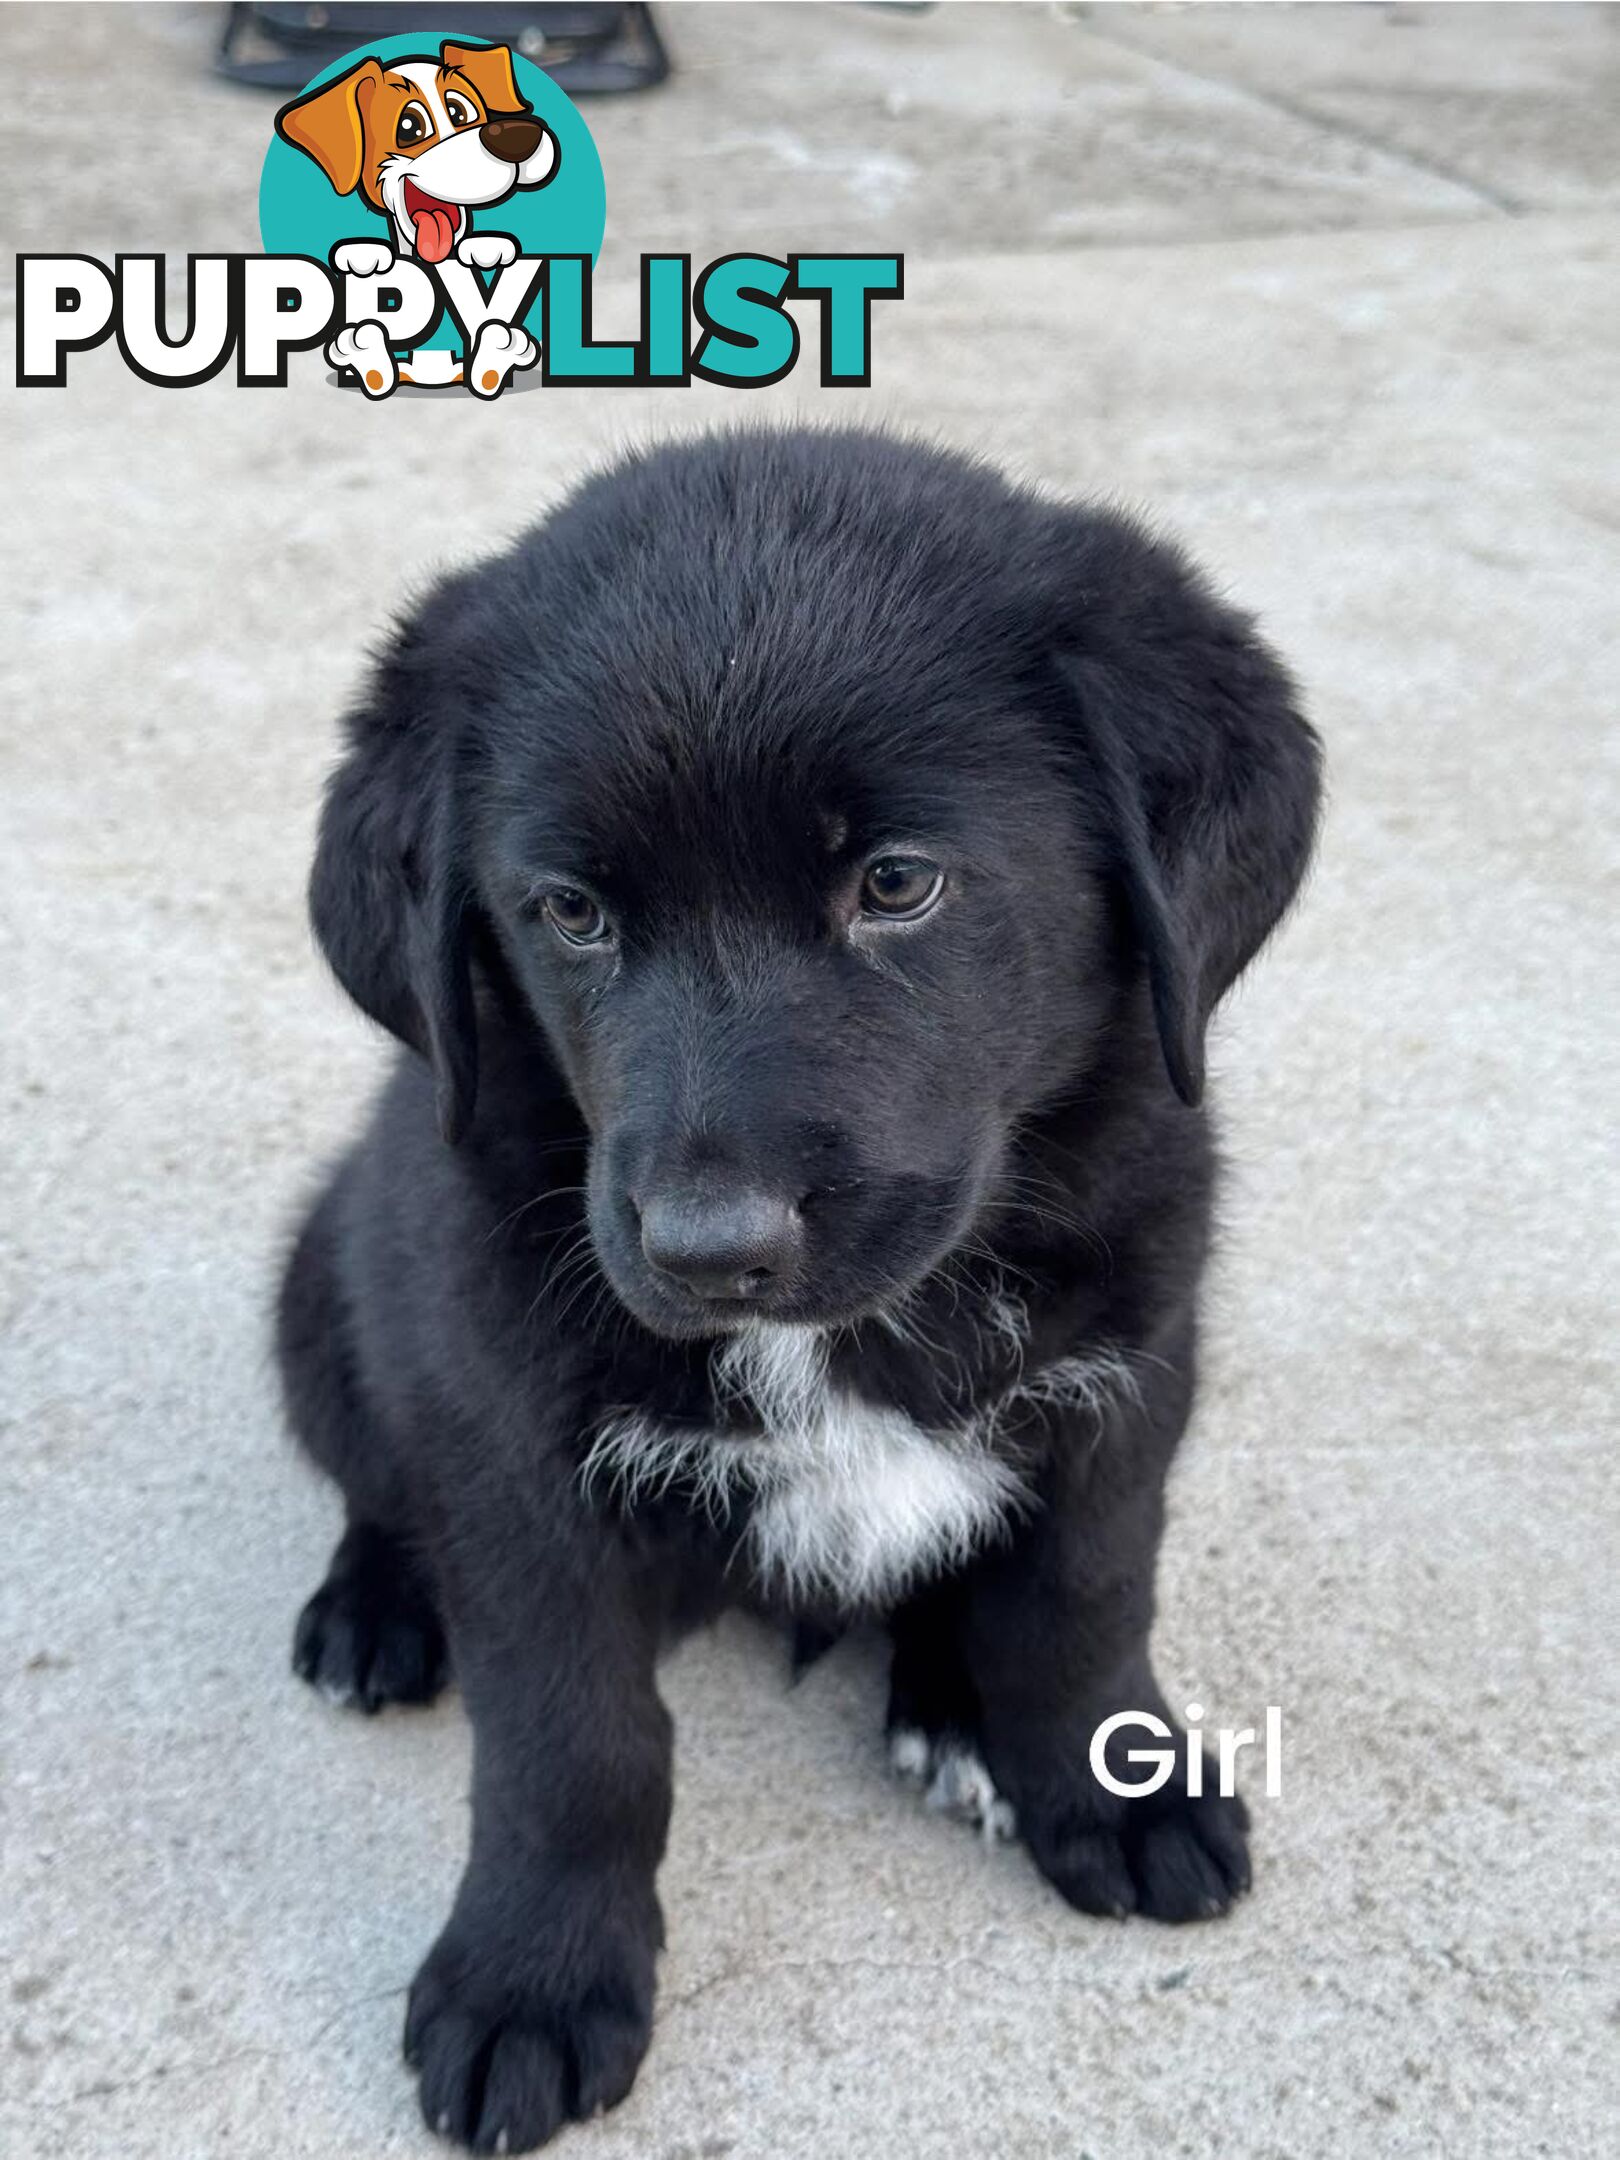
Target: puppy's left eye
[
  {"x": 574, "y": 915},
  {"x": 899, "y": 888},
  {"x": 459, "y": 110}
]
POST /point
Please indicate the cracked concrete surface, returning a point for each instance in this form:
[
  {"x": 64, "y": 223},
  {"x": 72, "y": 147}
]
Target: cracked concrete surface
[{"x": 1332, "y": 292}]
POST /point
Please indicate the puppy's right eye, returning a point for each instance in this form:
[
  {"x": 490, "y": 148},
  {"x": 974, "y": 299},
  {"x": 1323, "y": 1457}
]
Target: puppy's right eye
[
  {"x": 899, "y": 888},
  {"x": 412, "y": 127},
  {"x": 574, "y": 915}
]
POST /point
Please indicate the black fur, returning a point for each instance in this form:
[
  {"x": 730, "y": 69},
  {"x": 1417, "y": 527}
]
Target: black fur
[{"x": 704, "y": 694}]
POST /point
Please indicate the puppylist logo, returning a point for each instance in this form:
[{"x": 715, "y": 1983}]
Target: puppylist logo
[{"x": 432, "y": 209}]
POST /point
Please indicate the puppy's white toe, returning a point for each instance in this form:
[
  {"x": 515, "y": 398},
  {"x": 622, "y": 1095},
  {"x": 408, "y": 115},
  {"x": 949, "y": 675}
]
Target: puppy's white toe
[
  {"x": 911, "y": 1754},
  {"x": 363, "y": 258},
  {"x": 487, "y": 250},
  {"x": 501, "y": 349},
  {"x": 1000, "y": 1825},
  {"x": 364, "y": 348},
  {"x": 963, "y": 1788}
]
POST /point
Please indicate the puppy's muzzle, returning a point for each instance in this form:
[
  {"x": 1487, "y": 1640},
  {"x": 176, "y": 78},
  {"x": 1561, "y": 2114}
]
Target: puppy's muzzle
[
  {"x": 512, "y": 139},
  {"x": 737, "y": 1246}
]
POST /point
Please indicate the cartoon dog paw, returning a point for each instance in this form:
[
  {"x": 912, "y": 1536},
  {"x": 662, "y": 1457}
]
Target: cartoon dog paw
[
  {"x": 365, "y": 349},
  {"x": 487, "y": 250},
  {"x": 501, "y": 349},
  {"x": 363, "y": 258}
]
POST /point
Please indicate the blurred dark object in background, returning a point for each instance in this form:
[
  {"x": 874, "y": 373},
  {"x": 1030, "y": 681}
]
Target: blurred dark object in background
[{"x": 586, "y": 49}]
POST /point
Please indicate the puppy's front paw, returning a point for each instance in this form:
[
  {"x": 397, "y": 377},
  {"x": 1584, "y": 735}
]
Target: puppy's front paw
[
  {"x": 487, "y": 250},
  {"x": 509, "y": 2049},
  {"x": 363, "y": 258},
  {"x": 1166, "y": 1855}
]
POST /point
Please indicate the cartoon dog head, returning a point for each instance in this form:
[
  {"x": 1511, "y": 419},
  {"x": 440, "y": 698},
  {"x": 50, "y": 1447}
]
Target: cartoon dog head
[{"x": 425, "y": 140}]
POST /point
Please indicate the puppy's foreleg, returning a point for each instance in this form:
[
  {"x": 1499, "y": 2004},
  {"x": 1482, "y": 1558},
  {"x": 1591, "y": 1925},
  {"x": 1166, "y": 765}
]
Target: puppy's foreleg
[
  {"x": 1054, "y": 1629},
  {"x": 535, "y": 2004}
]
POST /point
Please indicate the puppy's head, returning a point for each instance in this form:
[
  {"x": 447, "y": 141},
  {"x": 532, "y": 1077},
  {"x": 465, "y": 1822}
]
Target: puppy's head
[
  {"x": 827, "y": 808},
  {"x": 424, "y": 140}
]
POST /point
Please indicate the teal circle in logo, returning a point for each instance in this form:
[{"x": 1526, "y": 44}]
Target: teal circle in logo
[{"x": 301, "y": 212}]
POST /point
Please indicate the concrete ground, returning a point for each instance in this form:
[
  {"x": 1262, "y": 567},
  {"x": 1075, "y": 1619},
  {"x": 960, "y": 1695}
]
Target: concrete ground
[{"x": 1332, "y": 291}]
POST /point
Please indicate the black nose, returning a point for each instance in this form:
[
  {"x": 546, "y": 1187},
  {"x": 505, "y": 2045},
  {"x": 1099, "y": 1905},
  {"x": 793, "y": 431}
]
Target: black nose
[
  {"x": 514, "y": 139},
  {"x": 732, "y": 1245}
]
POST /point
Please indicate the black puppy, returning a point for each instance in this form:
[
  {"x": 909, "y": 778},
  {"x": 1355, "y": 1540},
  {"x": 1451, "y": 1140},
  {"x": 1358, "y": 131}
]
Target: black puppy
[{"x": 804, "y": 867}]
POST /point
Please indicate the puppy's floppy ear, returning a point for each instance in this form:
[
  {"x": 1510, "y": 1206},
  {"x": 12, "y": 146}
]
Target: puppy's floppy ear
[
  {"x": 1210, "y": 778},
  {"x": 489, "y": 69},
  {"x": 387, "y": 894},
  {"x": 328, "y": 124}
]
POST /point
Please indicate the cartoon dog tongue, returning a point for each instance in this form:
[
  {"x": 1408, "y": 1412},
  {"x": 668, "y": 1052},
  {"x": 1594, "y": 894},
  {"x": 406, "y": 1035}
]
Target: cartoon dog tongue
[{"x": 435, "y": 223}]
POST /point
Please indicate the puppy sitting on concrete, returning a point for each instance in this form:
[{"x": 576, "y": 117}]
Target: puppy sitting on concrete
[{"x": 802, "y": 872}]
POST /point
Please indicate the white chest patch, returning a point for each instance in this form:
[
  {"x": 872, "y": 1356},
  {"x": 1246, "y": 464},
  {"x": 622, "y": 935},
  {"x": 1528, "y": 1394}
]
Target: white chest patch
[{"x": 846, "y": 1499}]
